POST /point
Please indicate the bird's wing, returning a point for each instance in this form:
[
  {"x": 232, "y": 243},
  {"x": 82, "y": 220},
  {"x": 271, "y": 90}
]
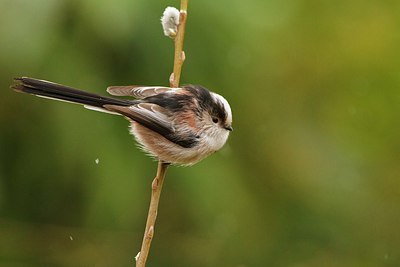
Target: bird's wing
[
  {"x": 157, "y": 119},
  {"x": 138, "y": 91},
  {"x": 149, "y": 115}
]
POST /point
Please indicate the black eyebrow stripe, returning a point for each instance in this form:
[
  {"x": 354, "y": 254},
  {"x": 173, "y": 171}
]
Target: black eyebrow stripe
[{"x": 220, "y": 110}]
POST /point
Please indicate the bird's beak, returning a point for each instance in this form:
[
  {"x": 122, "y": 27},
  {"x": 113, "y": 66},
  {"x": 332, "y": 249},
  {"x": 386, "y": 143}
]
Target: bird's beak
[{"x": 229, "y": 128}]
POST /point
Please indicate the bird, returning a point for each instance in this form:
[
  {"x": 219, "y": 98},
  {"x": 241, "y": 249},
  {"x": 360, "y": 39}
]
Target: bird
[{"x": 179, "y": 126}]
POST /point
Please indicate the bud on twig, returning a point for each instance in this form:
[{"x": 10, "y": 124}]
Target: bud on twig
[{"x": 170, "y": 21}]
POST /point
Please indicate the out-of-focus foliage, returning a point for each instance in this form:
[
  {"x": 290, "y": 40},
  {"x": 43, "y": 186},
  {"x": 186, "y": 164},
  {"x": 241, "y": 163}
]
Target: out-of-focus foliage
[{"x": 311, "y": 173}]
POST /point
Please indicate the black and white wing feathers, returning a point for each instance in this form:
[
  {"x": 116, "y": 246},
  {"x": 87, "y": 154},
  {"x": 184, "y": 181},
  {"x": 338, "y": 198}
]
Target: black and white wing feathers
[
  {"x": 157, "y": 119},
  {"x": 136, "y": 91}
]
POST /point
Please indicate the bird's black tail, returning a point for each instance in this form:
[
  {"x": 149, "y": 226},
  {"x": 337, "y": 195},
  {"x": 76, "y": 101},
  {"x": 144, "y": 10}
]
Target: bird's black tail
[{"x": 61, "y": 92}]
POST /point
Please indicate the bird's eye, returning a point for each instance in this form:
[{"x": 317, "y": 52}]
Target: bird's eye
[{"x": 215, "y": 120}]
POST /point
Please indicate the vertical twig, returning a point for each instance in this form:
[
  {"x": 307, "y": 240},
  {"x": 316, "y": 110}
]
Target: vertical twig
[
  {"x": 158, "y": 181},
  {"x": 156, "y": 188},
  {"x": 179, "y": 57}
]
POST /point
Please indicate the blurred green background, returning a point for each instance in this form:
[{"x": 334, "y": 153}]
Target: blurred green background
[{"x": 309, "y": 177}]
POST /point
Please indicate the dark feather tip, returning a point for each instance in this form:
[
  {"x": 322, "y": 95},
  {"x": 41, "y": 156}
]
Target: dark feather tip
[{"x": 17, "y": 88}]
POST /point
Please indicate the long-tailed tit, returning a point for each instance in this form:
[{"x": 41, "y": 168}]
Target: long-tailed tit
[{"x": 175, "y": 125}]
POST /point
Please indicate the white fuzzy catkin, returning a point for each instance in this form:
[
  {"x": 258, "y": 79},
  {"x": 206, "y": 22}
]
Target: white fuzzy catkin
[{"x": 170, "y": 21}]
